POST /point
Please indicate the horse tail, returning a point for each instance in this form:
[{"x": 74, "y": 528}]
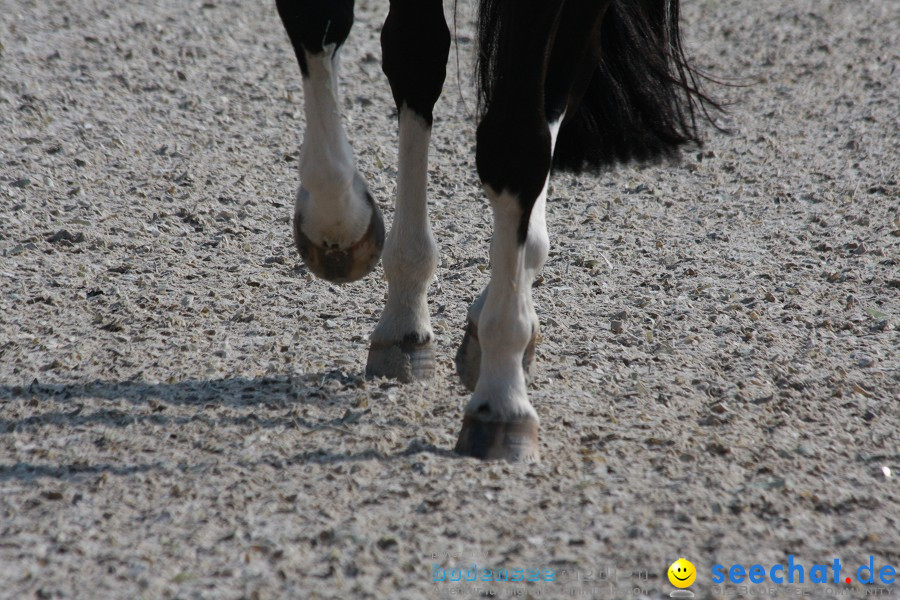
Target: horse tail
[{"x": 644, "y": 99}]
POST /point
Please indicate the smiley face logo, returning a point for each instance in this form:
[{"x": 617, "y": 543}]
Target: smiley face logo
[{"x": 682, "y": 573}]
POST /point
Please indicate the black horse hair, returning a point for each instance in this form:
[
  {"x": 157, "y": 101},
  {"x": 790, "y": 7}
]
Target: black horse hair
[{"x": 643, "y": 101}]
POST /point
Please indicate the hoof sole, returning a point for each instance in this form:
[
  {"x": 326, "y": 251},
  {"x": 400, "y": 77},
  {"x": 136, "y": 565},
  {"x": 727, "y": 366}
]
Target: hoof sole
[
  {"x": 404, "y": 361},
  {"x": 514, "y": 441},
  {"x": 342, "y": 265},
  {"x": 468, "y": 357}
]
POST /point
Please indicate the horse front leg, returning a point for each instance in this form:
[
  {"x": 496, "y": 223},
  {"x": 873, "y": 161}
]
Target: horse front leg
[
  {"x": 338, "y": 229},
  {"x": 415, "y": 44}
]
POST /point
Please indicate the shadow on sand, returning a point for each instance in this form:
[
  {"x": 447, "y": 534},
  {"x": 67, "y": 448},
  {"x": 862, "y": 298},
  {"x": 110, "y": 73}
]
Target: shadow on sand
[{"x": 278, "y": 395}]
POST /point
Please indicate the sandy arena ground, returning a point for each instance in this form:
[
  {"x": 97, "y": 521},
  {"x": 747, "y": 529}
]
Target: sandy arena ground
[{"x": 182, "y": 408}]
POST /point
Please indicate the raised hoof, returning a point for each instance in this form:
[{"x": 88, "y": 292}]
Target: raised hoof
[
  {"x": 468, "y": 357},
  {"x": 404, "y": 361},
  {"x": 514, "y": 441},
  {"x": 343, "y": 265}
]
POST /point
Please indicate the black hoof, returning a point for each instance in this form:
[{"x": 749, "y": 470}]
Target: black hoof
[
  {"x": 404, "y": 361},
  {"x": 514, "y": 441},
  {"x": 343, "y": 265}
]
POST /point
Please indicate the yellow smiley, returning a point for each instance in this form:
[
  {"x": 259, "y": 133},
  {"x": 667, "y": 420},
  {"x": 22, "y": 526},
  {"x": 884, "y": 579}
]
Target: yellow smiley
[{"x": 682, "y": 573}]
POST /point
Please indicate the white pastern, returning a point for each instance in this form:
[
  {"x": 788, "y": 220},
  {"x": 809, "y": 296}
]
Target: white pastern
[
  {"x": 507, "y": 316},
  {"x": 332, "y": 197},
  {"x": 410, "y": 253}
]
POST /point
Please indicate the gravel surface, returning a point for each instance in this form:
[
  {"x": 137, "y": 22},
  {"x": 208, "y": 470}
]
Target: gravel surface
[{"x": 182, "y": 408}]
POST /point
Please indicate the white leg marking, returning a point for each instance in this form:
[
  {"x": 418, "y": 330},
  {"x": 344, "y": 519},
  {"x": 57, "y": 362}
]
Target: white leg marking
[
  {"x": 507, "y": 316},
  {"x": 332, "y": 197},
  {"x": 504, "y": 326},
  {"x": 537, "y": 245},
  {"x": 410, "y": 253},
  {"x": 554, "y": 131}
]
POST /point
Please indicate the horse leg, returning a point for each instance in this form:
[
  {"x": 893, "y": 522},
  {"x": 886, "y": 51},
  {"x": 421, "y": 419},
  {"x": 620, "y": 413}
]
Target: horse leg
[
  {"x": 515, "y": 144},
  {"x": 415, "y": 44},
  {"x": 468, "y": 355},
  {"x": 338, "y": 229},
  {"x": 567, "y": 78}
]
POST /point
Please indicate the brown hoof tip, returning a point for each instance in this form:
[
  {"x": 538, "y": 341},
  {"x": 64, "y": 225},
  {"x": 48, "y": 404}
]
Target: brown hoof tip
[
  {"x": 514, "y": 441},
  {"x": 405, "y": 361},
  {"x": 342, "y": 265},
  {"x": 468, "y": 357}
]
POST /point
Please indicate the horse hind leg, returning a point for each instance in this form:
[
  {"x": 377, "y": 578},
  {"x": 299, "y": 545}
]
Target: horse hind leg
[
  {"x": 415, "y": 44},
  {"x": 468, "y": 355},
  {"x": 533, "y": 79},
  {"x": 499, "y": 420},
  {"x": 338, "y": 229}
]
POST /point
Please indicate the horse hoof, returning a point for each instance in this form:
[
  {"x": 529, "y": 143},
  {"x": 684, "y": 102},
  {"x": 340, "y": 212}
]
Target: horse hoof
[
  {"x": 468, "y": 357},
  {"x": 514, "y": 441},
  {"x": 405, "y": 361},
  {"x": 342, "y": 265}
]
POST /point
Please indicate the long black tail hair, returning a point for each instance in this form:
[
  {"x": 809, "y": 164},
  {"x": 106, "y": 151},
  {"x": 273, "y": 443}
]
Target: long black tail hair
[{"x": 644, "y": 98}]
